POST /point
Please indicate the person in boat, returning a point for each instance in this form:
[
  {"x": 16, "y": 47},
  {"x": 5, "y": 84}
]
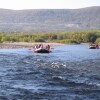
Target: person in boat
[
  {"x": 40, "y": 46},
  {"x": 48, "y": 47},
  {"x": 97, "y": 46},
  {"x": 36, "y": 47}
]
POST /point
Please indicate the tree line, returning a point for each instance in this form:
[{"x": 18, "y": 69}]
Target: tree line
[{"x": 60, "y": 37}]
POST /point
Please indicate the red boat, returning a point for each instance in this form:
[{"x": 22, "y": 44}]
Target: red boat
[{"x": 93, "y": 46}]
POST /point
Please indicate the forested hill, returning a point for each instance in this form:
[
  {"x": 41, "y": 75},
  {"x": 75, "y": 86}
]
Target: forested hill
[{"x": 47, "y": 20}]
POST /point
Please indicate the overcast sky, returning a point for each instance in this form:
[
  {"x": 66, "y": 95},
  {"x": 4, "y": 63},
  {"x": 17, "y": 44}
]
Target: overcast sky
[{"x": 47, "y": 4}]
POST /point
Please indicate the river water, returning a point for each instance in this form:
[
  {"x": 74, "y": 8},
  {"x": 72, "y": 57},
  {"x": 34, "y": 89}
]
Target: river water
[{"x": 69, "y": 72}]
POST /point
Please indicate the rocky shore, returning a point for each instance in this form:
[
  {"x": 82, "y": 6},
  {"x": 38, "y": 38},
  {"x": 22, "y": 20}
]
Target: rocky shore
[{"x": 24, "y": 45}]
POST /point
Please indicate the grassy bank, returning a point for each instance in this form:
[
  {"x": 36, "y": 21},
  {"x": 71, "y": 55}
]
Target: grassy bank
[{"x": 75, "y": 37}]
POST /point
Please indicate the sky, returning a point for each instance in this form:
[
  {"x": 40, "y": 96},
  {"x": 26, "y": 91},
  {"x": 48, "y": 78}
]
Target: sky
[{"x": 47, "y": 4}]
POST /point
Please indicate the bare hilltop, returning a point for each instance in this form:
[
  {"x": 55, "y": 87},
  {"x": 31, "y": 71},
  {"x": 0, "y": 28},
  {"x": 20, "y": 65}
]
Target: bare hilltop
[{"x": 49, "y": 20}]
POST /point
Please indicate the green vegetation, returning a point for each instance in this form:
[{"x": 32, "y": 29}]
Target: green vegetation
[{"x": 75, "y": 37}]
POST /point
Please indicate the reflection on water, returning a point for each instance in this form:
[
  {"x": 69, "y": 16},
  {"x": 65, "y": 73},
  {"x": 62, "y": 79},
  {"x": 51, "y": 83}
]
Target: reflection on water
[{"x": 70, "y": 72}]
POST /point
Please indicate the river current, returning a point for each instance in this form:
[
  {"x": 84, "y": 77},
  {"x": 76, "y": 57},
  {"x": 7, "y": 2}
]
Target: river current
[{"x": 69, "y": 72}]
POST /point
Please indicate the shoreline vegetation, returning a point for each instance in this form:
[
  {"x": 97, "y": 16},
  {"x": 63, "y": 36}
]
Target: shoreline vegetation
[{"x": 28, "y": 40}]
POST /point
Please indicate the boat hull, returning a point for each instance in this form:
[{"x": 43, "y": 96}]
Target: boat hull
[
  {"x": 41, "y": 51},
  {"x": 92, "y": 47}
]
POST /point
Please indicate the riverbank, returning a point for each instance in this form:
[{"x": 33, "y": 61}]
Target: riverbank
[{"x": 25, "y": 45}]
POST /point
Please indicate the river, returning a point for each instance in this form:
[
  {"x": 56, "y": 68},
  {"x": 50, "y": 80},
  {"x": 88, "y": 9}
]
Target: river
[{"x": 69, "y": 72}]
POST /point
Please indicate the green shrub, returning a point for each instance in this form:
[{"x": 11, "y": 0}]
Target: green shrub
[
  {"x": 39, "y": 40},
  {"x": 92, "y": 37},
  {"x": 98, "y": 40},
  {"x": 68, "y": 41}
]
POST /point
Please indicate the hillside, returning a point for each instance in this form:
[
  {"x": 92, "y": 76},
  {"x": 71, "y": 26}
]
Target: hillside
[{"x": 46, "y": 20}]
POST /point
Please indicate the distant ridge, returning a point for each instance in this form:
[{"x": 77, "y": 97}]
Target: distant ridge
[{"x": 49, "y": 20}]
